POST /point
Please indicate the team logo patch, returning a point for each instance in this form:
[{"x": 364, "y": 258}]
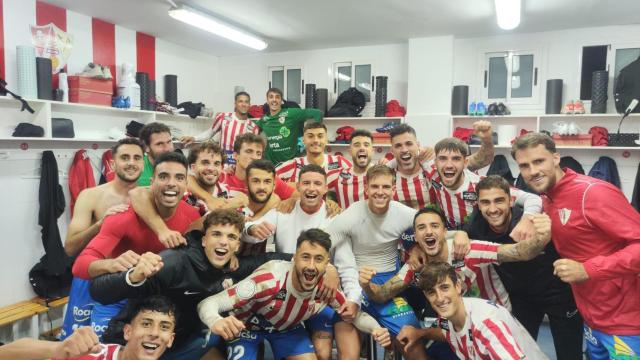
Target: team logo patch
[
  {"x": 223, "y": 195},
  {"x": 246, "y": 289},
  {"x": 345, "y": 175},
  {"x": 333, "y": 166},
  {"x": 281, "y": 119},
  {"x": 436, "y": 184},
  {"x": 469, "y": 196},
  {"x": 564, "y": 214},
  {"x": 299, "y": 165},
  {"x": 284, "y": 132},
  {"x": 457, "y": 264},
  {"x": 281, "y": 295}
]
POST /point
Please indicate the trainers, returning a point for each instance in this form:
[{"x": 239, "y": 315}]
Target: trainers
[
  {"x": 93, "y": 70},
  {"x": 472, "y": 108},
  {"x": 573, "y": 129},
  {"x": 386, "y": 127},
  {"x": 503, "y": 109},
  {"x": 106, "y": 72},
  {"x": 568, "y": 108},
  {"x": 578, "y": 107},
  {"x": 481, "y": 109},
  {"x": 492, "y": 109}
]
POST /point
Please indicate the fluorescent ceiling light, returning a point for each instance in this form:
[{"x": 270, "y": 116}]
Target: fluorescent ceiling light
[
  {"x": 209, "y": 23},
  {"x": 508, "y": 13}
]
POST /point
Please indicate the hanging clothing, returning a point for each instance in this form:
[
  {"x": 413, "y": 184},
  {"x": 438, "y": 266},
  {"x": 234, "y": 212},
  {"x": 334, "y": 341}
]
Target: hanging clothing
[
  {"x": 635, "y": 198},
  {"x": 500, "y": 166},
  {"x": 571, "y": 163},
  {"x": 108, "y": 172},
  {"x": 80, "y": 176},
  {"x": 606, "y": 169}
]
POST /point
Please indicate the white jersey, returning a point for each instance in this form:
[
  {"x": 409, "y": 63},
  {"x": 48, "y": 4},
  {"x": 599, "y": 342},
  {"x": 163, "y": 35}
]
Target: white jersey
[
  {"x": 289, "y": 171},
  {"x": 229, "y": 126},
  {"x": 490, "y": 332},
  {"x": 348, "y": 186},
  {"x": 289, "y": 226}
]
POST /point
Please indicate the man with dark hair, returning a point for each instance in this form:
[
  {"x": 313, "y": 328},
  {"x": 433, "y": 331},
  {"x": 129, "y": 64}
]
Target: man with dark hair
[
  {"x": 283, "y": 127},
  {"x": 156, "y": 138},
  {"x": 272, "y": 302},
  {"x": 188, "y": 275},
  {"x": 229, "y": 125},
  {"x": 149, "y": 331},
  {"x": 92, "y": 207},
  {"x": 597, "y": 234},
  {"x": 533, "y": 289},
  {"x": 349, "y": 183},
  {"x": 123, "y": 237},
  {"x": 475, "y": 328}
]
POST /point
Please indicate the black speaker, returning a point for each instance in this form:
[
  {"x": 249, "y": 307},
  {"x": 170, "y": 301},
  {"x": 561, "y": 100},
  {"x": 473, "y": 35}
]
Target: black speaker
[
  {"x": 553, "y": 104},
  {"x": 459, "y": 100},
  {"x": 322, "y": 97},
  {"x": 45, "y": 81},
  {"x": 599, "y": 87}
]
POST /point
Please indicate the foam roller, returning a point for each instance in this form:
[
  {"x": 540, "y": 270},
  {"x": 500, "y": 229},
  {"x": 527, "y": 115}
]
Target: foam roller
[
  {"x": 142, "y": 78},
  {"x": 459, "y": 100},
  {"x": 171, "y": 89},
  {"x": 599, "y": 87},
  {"x": 553, "y": 104},
  {"x": 310, "y": 100},
  {"x": 322, "y": 96},
  {"x": 45, "y": 78},
  {"x": 27, "y": 73},
  {"x": 151, "y": 85}
]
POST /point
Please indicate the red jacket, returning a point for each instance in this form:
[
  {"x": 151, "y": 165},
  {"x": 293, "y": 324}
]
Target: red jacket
[
  {"x": 80, "y": 176},
  {"x": 592, "y": 222}
]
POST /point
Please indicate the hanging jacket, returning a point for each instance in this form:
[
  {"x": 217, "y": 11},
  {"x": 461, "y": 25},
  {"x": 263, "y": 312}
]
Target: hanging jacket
[
  {"x": 606, "y": 169},
  {"x": 571, "y": 163},
  {"x": 108, "y": 173},
  {"x": 500, "y": 166},
  {"x": 635, "y": 198},
  {"x": 80, "y": 176}
]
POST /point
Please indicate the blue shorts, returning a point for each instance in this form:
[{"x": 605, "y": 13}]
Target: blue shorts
[
  {"x": 102, "y": 314},
  {"x": 393, "y": 314},
  {"x": 286, "y": 343},
  {"x": 79, "y": 307},
  {"x": 194, "y": 347},
  {"x": 601, "y": 346},
  {"x": 323, "y": 321},
  {"x": 228, "y": 158}
]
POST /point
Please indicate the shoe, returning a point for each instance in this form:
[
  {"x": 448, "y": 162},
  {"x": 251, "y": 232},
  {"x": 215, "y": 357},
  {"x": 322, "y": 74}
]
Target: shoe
[
  {"x": 481, "y": 109},
  {"x": 386, "y": 127},
  {"x": 573, "y": 129},
  {"x": 578, "y": 107},
  {"x": 503, "y": 109},
  {"x": 106, "y": 72},
  {"x": 92, "y": 70},
  {"x": 568, "y": 108},
  {"x": 492, "y": 109},
  {"x": 472, "y": 108},
  {"x": 561, "y": 128}
]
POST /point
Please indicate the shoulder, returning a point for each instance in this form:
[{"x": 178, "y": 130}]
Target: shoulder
[
  {"x": 125, "y": 220},
  {"x": 188, "y": 211},
  {"x": 398, "y": 207}
]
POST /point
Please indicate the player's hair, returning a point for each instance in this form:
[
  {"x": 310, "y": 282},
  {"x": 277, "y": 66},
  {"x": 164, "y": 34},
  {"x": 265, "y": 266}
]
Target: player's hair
[
  {"x": 531, "y": 140},
  {"x": 224, "y": 217},
  {"x": 380, "y": 170},
  {"x": 150, "y": 129},
  {"x": 312, "y": 168},
  {"x": 207, "y": 147},
  {"x": 314, "y": 236},
  {"x": 275, "y": 90},
  {"x": 314, "y": 125},
  {"x": 401, "y": 129},
  {"x": 435, "y": 273},
  {"x": 157, "y": 303},
  {"x": 126, "y": 141},
  {"x": 493, "y": 182},
  {"x": 261, "y": 164},
  {"x": 247, "y": 138},
  {"x": 171, "y": 156},
  {"x": 241, "y": 93},
  {"x": 430, "y": 209},
  {"x": 360, "y": 132},
  {"x": 452, "y": 144}
]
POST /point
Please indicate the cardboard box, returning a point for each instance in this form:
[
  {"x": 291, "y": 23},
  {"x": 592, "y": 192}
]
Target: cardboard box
[
  {"x": 90, "y": 84},
  {"x": 89, "y": 97}
]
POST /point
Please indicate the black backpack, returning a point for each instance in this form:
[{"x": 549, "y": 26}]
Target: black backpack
[
  {"x": 349, "y": 104},
  {"x": 627, "y": 87}
]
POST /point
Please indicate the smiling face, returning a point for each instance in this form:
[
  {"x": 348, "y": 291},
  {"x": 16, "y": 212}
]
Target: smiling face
[
  {"x": 168, "y": 184},
  {"x": 260, "y": 184},
  {"x": 539, "y": 167},
  {"x": 249, "y": 151},
  {"x": 221, "y": 242},
  {"x": 242, "y": 105},
  {"x": 379, "y": 191},
  {"x": 495, "y": 206},
  {"x": 274, "y": 100},
  {"x": 315, "y": 141},
  {"x": 148, "y": 335},
  {"x": 312, "y": 187},
  {"x": 310, "y": 262},
  {"x": 128, "y": 163},
  {"x": 405, "y": 149},
  {"x": 445, "y": 298},
  {"x": 430, "y": 234},
  {"x": 159, "y": 143},
  {"x": 207, "y": 169},
  {"x": 450, "y": 165},
  {"x": 361, "y": 150}
]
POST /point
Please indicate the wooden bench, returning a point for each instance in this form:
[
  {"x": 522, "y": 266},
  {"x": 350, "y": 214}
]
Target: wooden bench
[
  {"x": 52, "y": 304},
  {"x": 10, "y": 315}
]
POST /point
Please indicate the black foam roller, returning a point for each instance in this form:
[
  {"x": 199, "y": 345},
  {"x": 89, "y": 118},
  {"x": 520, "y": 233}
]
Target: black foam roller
[
  {"x": 459, "y": 100},
  {"x": 599, "y": 86},
  {"x": 142, "y": 78},
  {"x": 152, "y": 94},
  {"x": 310, "y": 96},
  {"x": 322, "y": 96},
  {"x": 171, "y": 89},
  {"x": 45, "y": 81},
  {"x": 381, "y": 95},
  {"x": 553, "y": 104}
]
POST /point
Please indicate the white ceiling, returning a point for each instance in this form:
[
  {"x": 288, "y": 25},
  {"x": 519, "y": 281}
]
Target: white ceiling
[{"x": 303, "y": 24}]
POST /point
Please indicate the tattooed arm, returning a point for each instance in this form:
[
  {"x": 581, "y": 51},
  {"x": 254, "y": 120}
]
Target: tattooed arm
[
  {"x": 388, "y": 290},
  {"x": 528, "y": 249},
  {"x": 485, "y": 154}
]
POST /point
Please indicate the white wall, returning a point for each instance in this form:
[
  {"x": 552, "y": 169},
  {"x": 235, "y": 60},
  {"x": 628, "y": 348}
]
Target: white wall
[{"x": 250, "y": 71}]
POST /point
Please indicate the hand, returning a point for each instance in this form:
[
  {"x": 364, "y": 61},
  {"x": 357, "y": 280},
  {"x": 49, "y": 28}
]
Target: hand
[
  {"x": 229, "y": 328},
  {"x": 333, "y": 208},
  {"x": 330, "y": 283},
  {"x": 383, "y": 161},
  {"x": 461, "y": 245},
  {"x": 115, "y": 209},
  {"x": 524, "y": 230},
  {"x": 83, "y": 341},
  {"x": 408, "y": 336},
  {"x": 239, "y": 200},
  {"x": 262, "y": 230},
  {"x": 286, "y": 206},
  {"x": 171, "y": 238},
  {"x": 187, "y": 140},
  {"x": 230, "y": 169},
  {"x": 381, "y": 336},
  {"x": 148, "y": 265},
  {"x": 542, "y": 226},
  {"x": 417, "y": 258},
  {"x": 426, "y": 153},
  {"x": 348, "y": 311},
  {"x": 365, "y": 275},
  {"x": 482, "y": 129},
  {"x": 234, "y": 263},
  {"x": 124, "y": 262},
  {"x": 570, "y": 271}
]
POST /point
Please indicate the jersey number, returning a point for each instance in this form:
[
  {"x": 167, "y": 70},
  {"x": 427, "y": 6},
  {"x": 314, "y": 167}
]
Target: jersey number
[{"x": 235, "y": 352}]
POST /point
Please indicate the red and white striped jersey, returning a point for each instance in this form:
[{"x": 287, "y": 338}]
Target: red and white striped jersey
[
  {"x": 490, "y": 332},
  {"x": 289, "y": 171},
  {"x": 107, "y": 352},
  {"x": 413, "y": 191},
  {"x": 229, "y": 127},
  {"x": 348, "y": 186},
  {"x": 479, "y": 277},
  {"x": 219, "y": 191}
]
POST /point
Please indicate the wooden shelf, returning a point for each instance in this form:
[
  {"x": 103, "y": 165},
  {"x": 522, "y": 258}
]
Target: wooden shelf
[
  {"x": 347, "y": 145},
  {"x": 574, "y": 147},
  {"x": 363, "y": 118}
]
